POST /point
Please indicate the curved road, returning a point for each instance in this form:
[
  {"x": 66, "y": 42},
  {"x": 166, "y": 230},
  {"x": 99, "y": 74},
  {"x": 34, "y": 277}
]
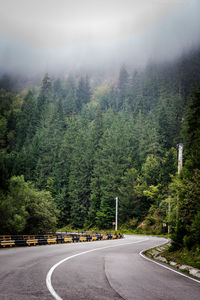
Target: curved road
[{"x": 95, "y": 270}]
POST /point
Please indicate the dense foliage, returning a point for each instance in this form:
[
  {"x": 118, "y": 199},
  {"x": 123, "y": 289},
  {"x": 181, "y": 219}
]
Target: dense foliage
[{"x": 71, "y": 146}]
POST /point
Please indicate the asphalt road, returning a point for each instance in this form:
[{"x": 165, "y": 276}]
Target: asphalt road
[{"x": 95, "y": 270}]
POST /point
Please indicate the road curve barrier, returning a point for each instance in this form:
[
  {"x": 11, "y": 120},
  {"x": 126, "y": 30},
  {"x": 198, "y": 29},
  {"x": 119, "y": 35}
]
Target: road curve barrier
[
  {"x": 5, "y": 240},
  {"x": 52, "y": 239}
]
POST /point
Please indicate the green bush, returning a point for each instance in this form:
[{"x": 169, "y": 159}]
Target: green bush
[
  {"x": 133, "y": 223},
  {"x": 196, "y": 228},
  {"x": 150, "y": 220},
  {"x": 24, "y": 209},
  {"x": 188, "y": 241}
]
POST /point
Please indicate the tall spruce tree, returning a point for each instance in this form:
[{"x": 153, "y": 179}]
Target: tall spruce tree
[
  {"x": 83, "y": 93},
  {"x": 192, "y": 130},
  {"x": 44, "y": 98},
  {"x": 123, "y": 87},
  {"x": 111, "y": 161},
  {"x": 27, "y": 120},
  {"x": 80, "y": 174}
]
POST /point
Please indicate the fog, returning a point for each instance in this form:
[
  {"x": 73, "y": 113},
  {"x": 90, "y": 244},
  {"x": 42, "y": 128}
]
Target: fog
[{"x": 65, "y": 35}]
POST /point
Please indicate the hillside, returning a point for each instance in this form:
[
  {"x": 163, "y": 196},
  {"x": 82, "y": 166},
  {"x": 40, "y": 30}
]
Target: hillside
[{"x": 69, "y": 147}]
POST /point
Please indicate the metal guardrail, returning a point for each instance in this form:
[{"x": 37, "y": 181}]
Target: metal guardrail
[{"x": 48, "y": 239}]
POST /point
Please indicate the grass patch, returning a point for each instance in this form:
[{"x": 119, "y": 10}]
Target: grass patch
[
  {"x": 180, "y": 257},
  {"x": 122, "y": 230},
  {"x": 184, "y": 257},
  {"x": 135, "y": 232},
  {"x": 91, "y": 230}
]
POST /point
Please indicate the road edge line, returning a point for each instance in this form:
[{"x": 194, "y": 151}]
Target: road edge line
[{"x": 51, "y": 270}]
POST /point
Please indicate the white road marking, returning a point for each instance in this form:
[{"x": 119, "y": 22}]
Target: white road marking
[
  {"x": 49, "y": 274},
  {"x": 166, "y": 267}
]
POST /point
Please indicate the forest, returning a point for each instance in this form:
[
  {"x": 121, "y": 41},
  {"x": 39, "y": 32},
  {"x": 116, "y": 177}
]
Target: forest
[{"x": 72, "y": 144}]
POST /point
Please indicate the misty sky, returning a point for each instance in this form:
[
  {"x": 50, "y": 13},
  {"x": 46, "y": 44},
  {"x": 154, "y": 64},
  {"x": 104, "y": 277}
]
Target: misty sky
[{"x": 54, "y": 35}]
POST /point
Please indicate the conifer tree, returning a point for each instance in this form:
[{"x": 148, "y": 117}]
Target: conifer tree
[
  {"x": 27, "y": 120},
  {"x": 83, "y": 93},
  {"x": 49, "y": 136},
  {"x": 61, "y": 170},
  {"x": 80, "y": 174},
  {"x": 123, "y": 87},
  {"x": 111, "y": 161},
  {"x": 44, "y": 98},
  {"x": 192, "y": 130},
  {"x": 70, "y": 99}
]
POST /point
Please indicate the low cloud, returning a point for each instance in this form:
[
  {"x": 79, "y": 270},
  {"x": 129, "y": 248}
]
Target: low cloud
[{"x": 56, "y": 35}]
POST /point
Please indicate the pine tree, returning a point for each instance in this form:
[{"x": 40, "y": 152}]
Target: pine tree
[
  {"x": 192, "y": 130},
  {"x": 44, "y": 98},
  {"x": 123, "y": 87},
  {"x": 50, "y": 137},
  {"x": 57, "y": 90},
  {"x": 80, "y": 174},
  {"x": 130, "y": 204},
  {"x": 61, "y": 170},
  {"x": 111, "y": 161},
  {"x": 10, "y": 105},
  {"x": 70, "y": 99},
  {"x": 27, "y": 121},
  {"x": 83, "y": 93}
]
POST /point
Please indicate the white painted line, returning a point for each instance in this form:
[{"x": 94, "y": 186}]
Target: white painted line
[
  {"x": 49, "y": 274},
  {"x": 166, "y": 267}
]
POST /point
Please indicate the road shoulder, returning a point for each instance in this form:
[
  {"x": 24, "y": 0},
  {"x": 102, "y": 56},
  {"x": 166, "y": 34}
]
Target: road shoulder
[{"x": 157, "y": 254}]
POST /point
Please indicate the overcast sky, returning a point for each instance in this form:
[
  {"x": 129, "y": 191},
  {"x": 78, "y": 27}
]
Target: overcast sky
[{"x": 47, "y": 35}]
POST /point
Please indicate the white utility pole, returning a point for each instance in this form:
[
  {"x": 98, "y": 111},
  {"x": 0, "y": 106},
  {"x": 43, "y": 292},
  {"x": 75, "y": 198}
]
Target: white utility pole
[
  {"x": 180, "y": 157},
  {"x": 180, "y": 164},
  {"x": 169, "y": 214},
  {"x": 116, "y": 214}
]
